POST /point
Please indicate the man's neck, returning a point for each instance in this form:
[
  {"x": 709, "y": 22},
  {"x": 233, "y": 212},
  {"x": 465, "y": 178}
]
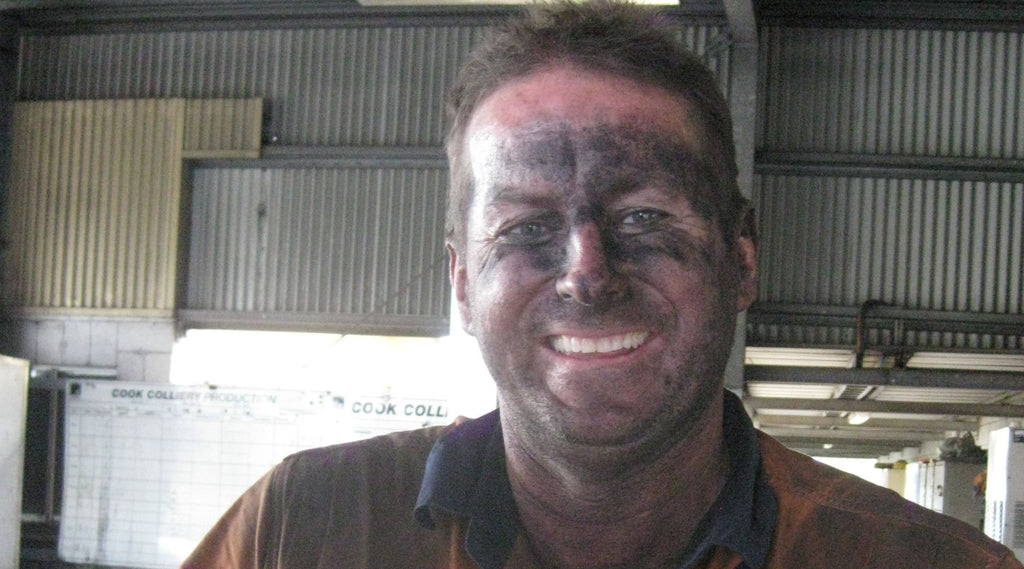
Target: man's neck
[{"x": 641, "y": 516}]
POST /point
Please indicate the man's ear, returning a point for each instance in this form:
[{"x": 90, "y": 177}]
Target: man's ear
[
  {"x": 457, "y": 276},
  {"x": 746, "y": 252}
]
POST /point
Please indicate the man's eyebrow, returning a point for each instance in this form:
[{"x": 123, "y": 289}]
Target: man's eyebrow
[
  {"x": 517, "y": 195},
  {"x": 680, "y": 157}
]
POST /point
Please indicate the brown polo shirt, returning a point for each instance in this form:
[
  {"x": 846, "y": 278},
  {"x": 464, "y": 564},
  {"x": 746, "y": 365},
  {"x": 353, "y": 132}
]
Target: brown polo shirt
[{"x": 352, "y": 506}]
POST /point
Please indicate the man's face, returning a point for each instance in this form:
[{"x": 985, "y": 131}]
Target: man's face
[{"x": 603, "y": 301}]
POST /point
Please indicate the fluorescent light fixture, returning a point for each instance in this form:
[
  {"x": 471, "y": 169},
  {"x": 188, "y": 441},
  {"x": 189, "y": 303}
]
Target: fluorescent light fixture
[
  {"x": 847, "y": 359},
  {"x": 799, "y": 357},
  {"x": 857, "y": 418},
  {"x": 976, "y": 361},
  {"x": 438, "y": 3},
  {"x": 772, "y": 390},
  {"x": 484, "y": 2}
]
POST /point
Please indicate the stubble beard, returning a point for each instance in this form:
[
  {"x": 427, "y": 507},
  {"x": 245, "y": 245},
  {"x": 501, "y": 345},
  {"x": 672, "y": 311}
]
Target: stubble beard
[{"x": 536, "y": 422}]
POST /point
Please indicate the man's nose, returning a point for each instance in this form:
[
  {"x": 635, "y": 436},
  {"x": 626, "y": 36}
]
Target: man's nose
[{"x": 589, "y": 278}]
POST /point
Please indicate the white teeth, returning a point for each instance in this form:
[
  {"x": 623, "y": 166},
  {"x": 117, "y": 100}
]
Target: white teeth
[{"x": 577, "y": 345}]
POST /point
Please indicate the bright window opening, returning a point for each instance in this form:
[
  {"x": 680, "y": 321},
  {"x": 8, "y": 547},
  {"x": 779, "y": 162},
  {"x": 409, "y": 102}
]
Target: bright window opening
[{"x": 448, "y": 369}]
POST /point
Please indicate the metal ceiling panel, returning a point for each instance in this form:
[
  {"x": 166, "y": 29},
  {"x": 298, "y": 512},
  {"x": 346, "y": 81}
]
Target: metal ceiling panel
[{"x": 907, "y": 92}]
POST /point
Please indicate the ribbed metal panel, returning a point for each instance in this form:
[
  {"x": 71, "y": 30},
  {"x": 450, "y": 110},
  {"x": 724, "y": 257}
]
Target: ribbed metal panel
[
  {"x": 283, "y": 243},
  {"x": 325, "y": 87},
  {"x": 797, "y": 335},
  {"x": 8, "y": 69},
  {"x": 351, "y": 86},
  {"x": 939, "y": 245},
  {"x": 223, "y": 128},
  {"x": 346, "y": 86},
  {"x": 93, "y": 205},
  {"x": 893, "y": 91},
  {"x": 922, "y": 244}
]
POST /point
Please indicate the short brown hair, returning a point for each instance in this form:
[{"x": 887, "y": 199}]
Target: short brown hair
[{"x": 608, "y": 36}]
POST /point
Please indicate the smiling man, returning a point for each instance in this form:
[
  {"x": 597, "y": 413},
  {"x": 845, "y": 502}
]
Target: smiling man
[
  {"x": 600, "y": 250},
  {"x": 604, "y": 302}
]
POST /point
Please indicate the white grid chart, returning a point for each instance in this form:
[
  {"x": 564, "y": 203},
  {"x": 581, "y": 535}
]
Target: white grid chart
[{"x": 148, "y": 469}]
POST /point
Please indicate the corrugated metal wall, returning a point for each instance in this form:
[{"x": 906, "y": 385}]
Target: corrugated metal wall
[
  {"x": 316, "y": 257},
  {"x": 345, "y": 86},
  {"x": 222, "y": 128},
  {"x": 94, "y": 200},
  {"x": 8, "y": 70},
  {"x": 927, "y": 244},
  {"x": 906, "y": 92},
  {"x": 934, "y": 245},
  {"x": 862, "y": 93},
  {"x": 95, "y": 197},
  {"x": 934, "y": 120},
  {"x": 350, "y": 86},
  {"x": 290, "y": 244}
]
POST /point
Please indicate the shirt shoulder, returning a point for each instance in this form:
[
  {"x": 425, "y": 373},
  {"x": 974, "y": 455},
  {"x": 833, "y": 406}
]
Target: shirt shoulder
[
  {"x": 346, "y": 506},
  {"x": 403, "y": 454},
  {"x": 828, "y": 518}
]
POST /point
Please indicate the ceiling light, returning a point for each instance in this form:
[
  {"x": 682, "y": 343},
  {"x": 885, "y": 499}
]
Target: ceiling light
[
  {"x": 799, "y": 357},
  {"x": 971, "y": 361},
  {"x": 484, "y": 2},
  {"x": 857, "y": 418}
]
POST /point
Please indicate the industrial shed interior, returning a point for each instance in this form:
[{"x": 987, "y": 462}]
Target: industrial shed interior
[{"x": 173, "y": 168}]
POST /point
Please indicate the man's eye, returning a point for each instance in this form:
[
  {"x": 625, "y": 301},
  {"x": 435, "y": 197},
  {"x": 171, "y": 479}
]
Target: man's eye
[
  {"x": 641, "y": 220},
  {"x": 529, "y": 228},
  {"x": 527, "y": 232}
]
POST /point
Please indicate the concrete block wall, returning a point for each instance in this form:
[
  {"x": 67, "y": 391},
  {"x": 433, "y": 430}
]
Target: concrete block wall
[{"x": 138, "y": 349}]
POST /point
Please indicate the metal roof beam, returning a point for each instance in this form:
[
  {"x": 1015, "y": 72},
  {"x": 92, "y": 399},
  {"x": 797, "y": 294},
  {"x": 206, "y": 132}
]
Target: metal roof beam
[
  {"x": 886, "y": 317},
  {"x": 896, "y": 407},
  {"x": 742, "y": 24},
  {"x": 891, "y": 377},
  {"x": 880, "y": 446},
  {"x": 889, "y": 166},
  {"x": 852, "y": 436},
  {"x": 742, "y": 93},
  {"x": 902, "y": 425},
  {"x": 839, "y": 451},
  {"x": 279, "y": 156},
  {"x": 101, "y": 16},
  {"x": 956, "y": 15}
]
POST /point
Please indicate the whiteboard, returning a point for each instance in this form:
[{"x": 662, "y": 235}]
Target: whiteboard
[
  {"x": 149, "y": 468},
  {"x": 13, "y": 399}
]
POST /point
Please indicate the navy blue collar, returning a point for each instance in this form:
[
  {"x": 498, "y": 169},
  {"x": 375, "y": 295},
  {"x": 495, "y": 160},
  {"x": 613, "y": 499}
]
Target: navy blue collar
[
  {"x": 465, "y": 476},
  {"x": 742, "y": 519}
]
